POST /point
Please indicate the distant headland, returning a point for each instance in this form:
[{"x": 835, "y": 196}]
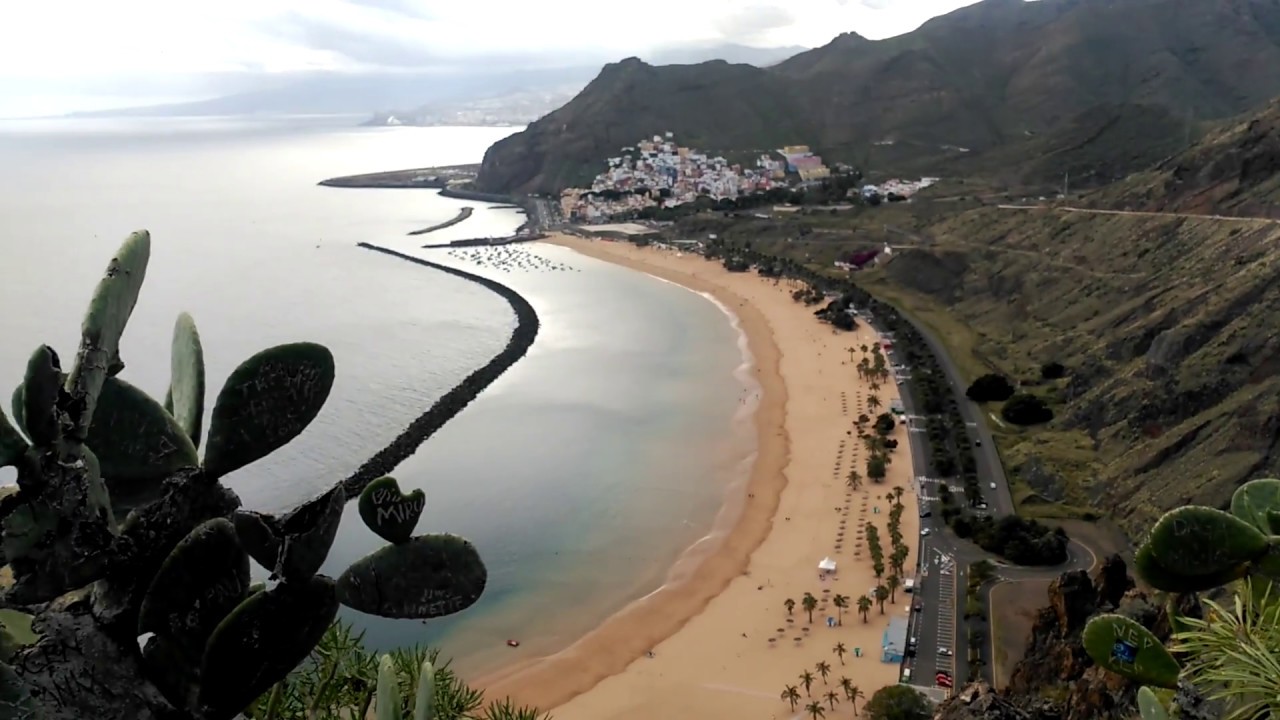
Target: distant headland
[{"x": 437, "y": 178}]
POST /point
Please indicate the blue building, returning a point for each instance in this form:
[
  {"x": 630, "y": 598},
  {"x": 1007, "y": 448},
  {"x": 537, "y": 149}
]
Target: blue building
[{"x": 893, "y": 646}]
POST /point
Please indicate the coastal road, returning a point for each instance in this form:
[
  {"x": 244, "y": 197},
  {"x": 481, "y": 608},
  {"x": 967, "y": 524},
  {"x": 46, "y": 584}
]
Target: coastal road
[
  {"x": 938, "y": 631},
  {"x": 1140, "y": 213}
]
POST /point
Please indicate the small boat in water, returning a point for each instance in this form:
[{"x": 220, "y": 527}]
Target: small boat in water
[{"x": 513, "y": 643}]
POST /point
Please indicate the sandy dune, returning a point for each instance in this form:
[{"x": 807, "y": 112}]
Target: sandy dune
[{"x": 723, "y": 645}]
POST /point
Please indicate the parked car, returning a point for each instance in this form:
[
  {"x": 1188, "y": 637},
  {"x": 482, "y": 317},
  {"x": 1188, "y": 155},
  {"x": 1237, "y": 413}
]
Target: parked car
[
  {"x": 918, "y": 607},
  {"x": 977, "y": 443},
  {"x": 924, "y": 531},
  {"x": 993, "y": 486},
  {"x": 926, "y": 513},
  {"x": 945, "y": 652}
]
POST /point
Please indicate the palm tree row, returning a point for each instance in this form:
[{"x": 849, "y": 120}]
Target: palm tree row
[{"x": 851, "y": 693}]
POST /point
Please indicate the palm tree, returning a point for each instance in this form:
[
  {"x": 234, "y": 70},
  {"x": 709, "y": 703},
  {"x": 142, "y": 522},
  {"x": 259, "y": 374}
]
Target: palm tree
[
  {"x": 815, "y": 710},
  {"x": 842, "y": 603},
  {"x": 892, "y": 582},
  {"x": 864, "y": 348},
  {"x": 806, "y": 679},
  {"x": 873, "y": 402},
  {"x": 832, "y": 698},
  {"x": 824, "y": 669},
  {"x": 809, "y": 603},
  {"x": 882, "y": 594},
  {"x": 897, "y": 493},
  {"x": 854, "y": 696},
  {"x": 851, "y": 350},
  {"x": 840, "y": 651},
  {"x": 864, "y": 606},
  {"x": 847, "y": 686},
  {"x": 790, "y": 605},
  {"x": 792, "y": 695},
  {"x": 875, "y": 386},
  {"x": 854, "y": 481}
]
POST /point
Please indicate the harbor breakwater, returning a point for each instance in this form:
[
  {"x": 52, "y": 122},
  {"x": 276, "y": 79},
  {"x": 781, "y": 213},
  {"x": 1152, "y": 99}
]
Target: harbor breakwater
[
  {"x": 463, "y": 214},
  {"x": 451, "y": 403}
]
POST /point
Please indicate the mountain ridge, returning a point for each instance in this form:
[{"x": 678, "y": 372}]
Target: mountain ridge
[{"x": 978, "y": 78}]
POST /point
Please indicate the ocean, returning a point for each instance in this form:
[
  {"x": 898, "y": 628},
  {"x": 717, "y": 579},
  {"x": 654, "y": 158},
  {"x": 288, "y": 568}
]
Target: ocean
[{"x": 580, "y": 475}]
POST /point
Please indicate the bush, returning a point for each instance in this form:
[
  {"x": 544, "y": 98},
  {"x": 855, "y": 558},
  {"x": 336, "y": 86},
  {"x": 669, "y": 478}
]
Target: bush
[
  {"x": 1053, "y": 371},
  {"x": 1019, "y": 540},
  {"x": 885, "y": 423},
  {"x": 1026, "y": 409},
  {"x": 991, "y": 387},
  {"x": 898, "y": 702}
]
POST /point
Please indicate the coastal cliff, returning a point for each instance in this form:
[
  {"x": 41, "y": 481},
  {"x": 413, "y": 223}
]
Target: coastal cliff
[
  {"x": 976, "y": 81},
  {"x": 1056, "y": 680}
]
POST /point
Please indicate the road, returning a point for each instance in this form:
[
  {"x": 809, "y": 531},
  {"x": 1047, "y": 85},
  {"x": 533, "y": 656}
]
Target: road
[
  {"x": 939, "y": 631},
  {"x": 1141, "y": 213}
]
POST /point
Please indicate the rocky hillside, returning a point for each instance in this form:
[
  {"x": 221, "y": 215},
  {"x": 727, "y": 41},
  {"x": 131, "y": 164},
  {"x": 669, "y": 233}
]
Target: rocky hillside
[
  {"x": 978, "y": 79},
  {"x": 1056, "y": 680},
  {"x": 1167, "y": 324}
]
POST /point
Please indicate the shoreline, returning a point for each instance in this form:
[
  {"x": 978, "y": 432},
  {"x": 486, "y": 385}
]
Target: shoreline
[
  {"x": 710, "y": 593},
  {"x": 463, "y": 214},
  {"x": 549, "y": 682}
]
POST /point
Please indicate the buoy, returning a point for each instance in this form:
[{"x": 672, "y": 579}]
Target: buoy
[{"x": 513, "y": 643}]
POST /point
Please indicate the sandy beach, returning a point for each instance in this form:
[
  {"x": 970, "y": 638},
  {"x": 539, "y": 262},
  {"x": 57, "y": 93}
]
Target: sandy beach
[{"x": 716, "y": 641}]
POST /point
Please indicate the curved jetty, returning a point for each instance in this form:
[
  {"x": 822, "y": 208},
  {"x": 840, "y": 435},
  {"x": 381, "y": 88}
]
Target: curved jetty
[
  {"x": 463, "y": 214},
  {"x": 452, "y": 402}
]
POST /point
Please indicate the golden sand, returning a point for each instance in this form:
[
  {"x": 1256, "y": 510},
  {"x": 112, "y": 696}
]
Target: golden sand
[{"x": 722, "y": 643}]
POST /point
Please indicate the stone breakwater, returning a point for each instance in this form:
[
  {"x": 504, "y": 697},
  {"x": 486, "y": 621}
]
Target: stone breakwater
[
  {"x": 463, "y": 214},
  {"x": 452, "y": 402}
]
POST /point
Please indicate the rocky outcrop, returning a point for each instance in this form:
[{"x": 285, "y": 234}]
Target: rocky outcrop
[{"x": 1056, "y": 679}]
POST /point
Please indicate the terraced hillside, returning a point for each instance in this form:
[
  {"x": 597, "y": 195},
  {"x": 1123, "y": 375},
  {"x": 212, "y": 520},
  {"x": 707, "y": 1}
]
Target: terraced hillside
[{"x": 1168, "y": 324}]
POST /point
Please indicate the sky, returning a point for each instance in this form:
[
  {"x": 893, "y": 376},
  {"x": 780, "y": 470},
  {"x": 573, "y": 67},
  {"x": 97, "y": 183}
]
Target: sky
[{"x": 94, "y": 52}]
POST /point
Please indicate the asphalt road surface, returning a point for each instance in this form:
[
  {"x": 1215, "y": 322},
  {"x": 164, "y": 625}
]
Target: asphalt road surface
[{"x": 938, "y": 632}]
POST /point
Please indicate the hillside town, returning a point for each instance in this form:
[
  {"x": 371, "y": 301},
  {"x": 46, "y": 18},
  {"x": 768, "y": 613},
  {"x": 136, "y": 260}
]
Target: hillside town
[{"x": 660, "y": 173}]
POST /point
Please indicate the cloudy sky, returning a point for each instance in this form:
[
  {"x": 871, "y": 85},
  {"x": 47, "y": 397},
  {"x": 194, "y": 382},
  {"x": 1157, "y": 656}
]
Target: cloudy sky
[{"x": 105, "y": 53}]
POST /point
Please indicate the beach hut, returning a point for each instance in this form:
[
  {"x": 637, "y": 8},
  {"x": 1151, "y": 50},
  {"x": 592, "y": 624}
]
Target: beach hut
[{"x": 827, "y": 565}]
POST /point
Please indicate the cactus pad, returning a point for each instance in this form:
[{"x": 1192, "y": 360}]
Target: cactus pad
[
  {"x": 1203, "y": 540},
  {"x": 104, "y": 323},
  {"x": 306, "y": 534},
  {"x": 12, "y": 444},
  {"x": 16, "y": 405},
  {"x": 388, "y": 698},
  {"x": 1122, "y": 646},
  {"x": 203, "y": 579},
  {"x": 138, "y": 444},
  {"x": 267, "y": 402},
  {"x": 261, "y": 641},
  {"x": 40, "y": 397},
  {"x": 185, "y": 400},
  {"x": 429, "y": 576},
  {"x": 1161, "y": 578},
  {"x": 1254, "y": 499},
  {"x": 1149, "y": 705},
  {"x": 390, "y": 513}
]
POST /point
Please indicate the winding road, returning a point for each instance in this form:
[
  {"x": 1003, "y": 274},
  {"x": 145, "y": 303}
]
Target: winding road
[
  {"x": 1141, "y": 213},
  {"x": 939, "y": 629}
]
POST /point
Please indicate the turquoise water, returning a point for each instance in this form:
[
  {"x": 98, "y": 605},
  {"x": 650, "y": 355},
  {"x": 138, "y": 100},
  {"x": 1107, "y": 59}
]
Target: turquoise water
[{"x": 580, "y": 475}]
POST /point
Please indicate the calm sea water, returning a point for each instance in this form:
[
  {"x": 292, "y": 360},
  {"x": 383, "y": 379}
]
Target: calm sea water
[{"x": 580, "y": 475}]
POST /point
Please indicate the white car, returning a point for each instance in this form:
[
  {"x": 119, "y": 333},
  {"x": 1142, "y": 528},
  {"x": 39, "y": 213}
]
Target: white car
[
  {"x": 945, "y": 652},
  {"x": 993, "y": 486},
  {"x": 924, "y": 531}
]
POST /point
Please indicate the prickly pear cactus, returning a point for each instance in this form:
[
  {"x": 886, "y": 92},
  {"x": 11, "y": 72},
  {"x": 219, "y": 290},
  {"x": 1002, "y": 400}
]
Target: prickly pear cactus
[
  {"x": 185, "y": 397},
  {"x": 1201, "y": 540},
  {"x": 1150, "y": 706},
  {"x": 429, "y": 576},
  {"x": 12, "y": 444},
  {"x": 201, "y": 582},
  {"x": 1161, "y": 578},
  {"x": 295, "y": 546},
  {"x": 263, "y": 639},
  {"x": 40, "y": 391},
  {"x": 1123, "y": 646},
  {"x": 175, "y": 572},
  {"x": 109, "y": 311},
  {"x": 388, "y": 512}
]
